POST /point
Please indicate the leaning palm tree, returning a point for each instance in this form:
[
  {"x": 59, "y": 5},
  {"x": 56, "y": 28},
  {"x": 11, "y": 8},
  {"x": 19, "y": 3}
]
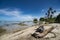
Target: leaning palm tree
[{"x": 49, "y": 14}]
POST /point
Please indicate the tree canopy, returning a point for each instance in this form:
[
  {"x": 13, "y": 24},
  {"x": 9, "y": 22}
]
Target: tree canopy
[
  {"x": 49, "y": 15},
  {"x": 58, "y": 19},
  {"x": 41, "y": 19},
  {"x": 35, "y": 20}
]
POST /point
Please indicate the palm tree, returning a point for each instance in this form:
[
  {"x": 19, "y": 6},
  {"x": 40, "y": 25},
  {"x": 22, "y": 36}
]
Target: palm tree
[{"x": 49, "y": 14}]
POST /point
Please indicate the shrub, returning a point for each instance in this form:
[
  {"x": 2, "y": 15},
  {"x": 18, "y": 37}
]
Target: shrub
[
  {"x": 35, "y": 21},
  {"x": 57, "y": 19}
]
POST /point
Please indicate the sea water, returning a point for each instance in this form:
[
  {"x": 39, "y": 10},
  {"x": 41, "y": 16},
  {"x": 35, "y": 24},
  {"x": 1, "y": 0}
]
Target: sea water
[{"x": 13, "y": 25}]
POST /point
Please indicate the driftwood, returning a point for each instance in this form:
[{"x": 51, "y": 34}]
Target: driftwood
[{"x": 41, "y": 35}]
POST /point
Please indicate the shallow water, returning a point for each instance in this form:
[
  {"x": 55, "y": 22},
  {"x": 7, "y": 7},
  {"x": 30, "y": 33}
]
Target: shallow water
[{"x": 12, "y": 26}]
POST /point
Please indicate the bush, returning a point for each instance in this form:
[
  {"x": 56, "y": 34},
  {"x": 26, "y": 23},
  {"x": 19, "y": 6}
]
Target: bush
[
  {"x": 35, "y": 21},
  {"x": 57, "y": 19},
  {"x": 41, "y": 19}
]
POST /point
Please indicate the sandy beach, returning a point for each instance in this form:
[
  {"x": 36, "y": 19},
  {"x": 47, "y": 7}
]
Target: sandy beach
[{"x": 26, "y": 34}]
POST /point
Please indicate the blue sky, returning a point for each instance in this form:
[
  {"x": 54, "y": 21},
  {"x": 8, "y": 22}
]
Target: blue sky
[{"x": 21, "y": 10}]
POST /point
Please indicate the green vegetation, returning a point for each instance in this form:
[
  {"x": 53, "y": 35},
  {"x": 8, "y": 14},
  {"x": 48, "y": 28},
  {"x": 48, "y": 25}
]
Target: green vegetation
[
  {"x": 35, "y": 21},
  {"x": 50, "y": 13},
  {"x": 49, "y": 17},
  {"x": 41, "y": 19},
  {"x": 58, "y": 19}
]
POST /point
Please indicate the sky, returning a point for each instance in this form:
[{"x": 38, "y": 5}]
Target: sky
[{"x": 25, "y": 10}]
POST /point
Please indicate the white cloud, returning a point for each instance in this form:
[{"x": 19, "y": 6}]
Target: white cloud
[
  {"x": 16, "y": 14},
  {"x": 10, "y": 13},
  {"x": 57, "y": 13}
]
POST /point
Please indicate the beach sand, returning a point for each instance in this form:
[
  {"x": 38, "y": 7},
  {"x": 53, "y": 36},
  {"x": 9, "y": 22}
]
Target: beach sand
[{"x": 26, "y": 34}]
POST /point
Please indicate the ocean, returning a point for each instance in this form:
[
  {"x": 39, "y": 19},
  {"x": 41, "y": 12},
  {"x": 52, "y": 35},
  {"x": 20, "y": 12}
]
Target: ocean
[{"x": 13, "y": 25}]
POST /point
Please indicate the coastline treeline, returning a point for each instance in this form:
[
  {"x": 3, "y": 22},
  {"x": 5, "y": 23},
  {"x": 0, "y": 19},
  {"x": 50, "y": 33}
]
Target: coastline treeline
[{"x": 49, "y": 17}]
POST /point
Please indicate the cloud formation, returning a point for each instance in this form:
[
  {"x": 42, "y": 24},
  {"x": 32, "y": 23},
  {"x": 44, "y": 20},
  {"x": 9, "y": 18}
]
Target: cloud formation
[
  {"x": 57, "y": 13},
  {"x": 16, "y": 14},
  {"x": 10, "y": 13}
]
